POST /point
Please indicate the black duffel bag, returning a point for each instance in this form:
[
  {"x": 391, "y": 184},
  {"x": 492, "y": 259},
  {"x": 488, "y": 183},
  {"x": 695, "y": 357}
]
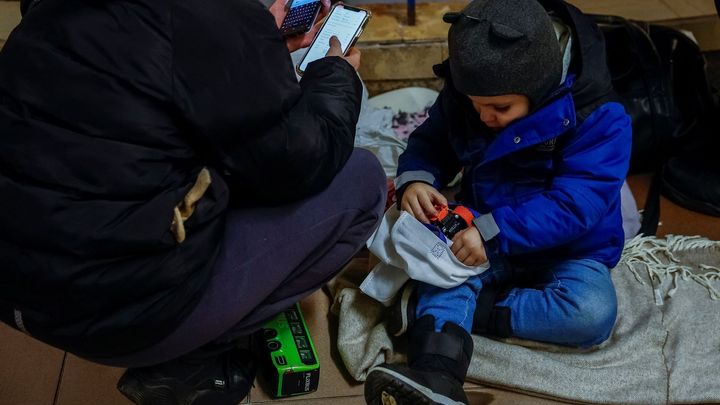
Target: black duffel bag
[{"x": 660, "y": 76}]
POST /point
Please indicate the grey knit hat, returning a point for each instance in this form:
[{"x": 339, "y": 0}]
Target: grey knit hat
[{"x": 504, "y": 47}]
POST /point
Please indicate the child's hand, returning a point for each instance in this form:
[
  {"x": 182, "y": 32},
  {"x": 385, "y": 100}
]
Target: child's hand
[
  {"x": 468, "y": 247},
  {"x": 420, "y": 200}
]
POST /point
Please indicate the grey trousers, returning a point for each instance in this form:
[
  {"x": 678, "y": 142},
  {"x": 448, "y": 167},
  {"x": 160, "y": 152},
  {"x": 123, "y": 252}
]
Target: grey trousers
[{"x": 273, "y": 257}]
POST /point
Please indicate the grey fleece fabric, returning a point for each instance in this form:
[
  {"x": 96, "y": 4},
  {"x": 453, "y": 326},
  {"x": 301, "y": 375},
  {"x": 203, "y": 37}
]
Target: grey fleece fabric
[{"x": 665, "y": 348}]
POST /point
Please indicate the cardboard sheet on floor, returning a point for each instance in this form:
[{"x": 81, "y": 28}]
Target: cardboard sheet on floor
[{"x": 665, "y": 348}]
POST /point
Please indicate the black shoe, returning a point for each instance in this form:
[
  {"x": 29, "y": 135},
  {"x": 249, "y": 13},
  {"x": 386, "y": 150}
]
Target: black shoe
[
  {"x": 401, "y": 314},
  {"x": 397, "y": 384},
  {"x": 224, "y": 379},
  {"x": 437, "y": 365}
]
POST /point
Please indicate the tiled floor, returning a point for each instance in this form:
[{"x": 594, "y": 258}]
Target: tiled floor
[
  {"x": 35, "y": 374},
  {"x": 29, "y": 370}
]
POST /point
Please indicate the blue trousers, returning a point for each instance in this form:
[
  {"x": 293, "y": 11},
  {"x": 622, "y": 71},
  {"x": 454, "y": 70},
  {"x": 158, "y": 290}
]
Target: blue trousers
[{"x": 570, "y": 303}]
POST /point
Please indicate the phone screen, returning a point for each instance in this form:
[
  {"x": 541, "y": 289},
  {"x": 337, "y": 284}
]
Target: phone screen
[
  {"x": 301, "y": 16},
  {"x": 299, "y": 3},
  {"x": 342, "y": 22}
]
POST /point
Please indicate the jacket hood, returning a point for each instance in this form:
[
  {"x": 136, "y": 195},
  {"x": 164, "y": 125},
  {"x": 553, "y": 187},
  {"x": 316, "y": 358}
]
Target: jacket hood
[{"x": 592, "y": 80}]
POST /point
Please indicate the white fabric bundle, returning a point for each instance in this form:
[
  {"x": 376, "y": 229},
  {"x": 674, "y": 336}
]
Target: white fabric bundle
[{"x": 407, "y": 249}]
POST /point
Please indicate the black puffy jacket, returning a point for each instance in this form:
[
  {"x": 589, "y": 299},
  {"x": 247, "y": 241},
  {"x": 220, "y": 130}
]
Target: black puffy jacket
[{"x": 109, "y": 110}]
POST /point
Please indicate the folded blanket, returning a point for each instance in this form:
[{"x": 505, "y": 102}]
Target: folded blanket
[{"x": 665, "y": 348}]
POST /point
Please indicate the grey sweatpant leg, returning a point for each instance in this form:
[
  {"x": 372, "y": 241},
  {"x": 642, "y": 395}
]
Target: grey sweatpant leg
[{"x": 273, "y": 257}]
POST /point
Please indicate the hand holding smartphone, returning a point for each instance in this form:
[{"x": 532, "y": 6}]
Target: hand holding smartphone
[
  {"x": 352, "y": 56},
  {"x": 300, "y": 17},
  {"x": 344, "y": 22}
]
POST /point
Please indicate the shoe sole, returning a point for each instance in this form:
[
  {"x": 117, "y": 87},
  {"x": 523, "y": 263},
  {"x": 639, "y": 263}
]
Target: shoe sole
[{"x": 387, "y": 387}]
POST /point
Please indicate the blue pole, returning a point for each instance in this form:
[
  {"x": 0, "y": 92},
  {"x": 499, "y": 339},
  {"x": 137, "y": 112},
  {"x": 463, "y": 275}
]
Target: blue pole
[{"x": 411, "y": 12}]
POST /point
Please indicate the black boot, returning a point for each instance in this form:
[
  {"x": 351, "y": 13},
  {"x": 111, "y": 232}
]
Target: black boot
[
  {"x": 488, "y": 318},
  {"x": 401, "y": 315},
  {"x": 437, "y": 365},
  {"x": 221, "y": 379}
]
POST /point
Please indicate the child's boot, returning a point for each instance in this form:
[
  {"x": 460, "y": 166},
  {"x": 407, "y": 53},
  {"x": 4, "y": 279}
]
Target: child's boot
[
  {"x": 437, "y": 365},
  {"x": 401, "y": 315},
  {"x": 490, "y": 319}
]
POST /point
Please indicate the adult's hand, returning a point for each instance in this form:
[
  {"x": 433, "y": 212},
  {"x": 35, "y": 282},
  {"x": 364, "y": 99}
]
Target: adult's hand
[
  {"x": 279, "y": 10},
  {"x": 353, "y": 54}
]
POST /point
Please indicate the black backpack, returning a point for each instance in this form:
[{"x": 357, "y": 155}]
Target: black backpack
[{"x": 659, "y": 74}]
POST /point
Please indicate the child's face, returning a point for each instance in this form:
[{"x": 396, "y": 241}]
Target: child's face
[{"x": 497, "y": 112}]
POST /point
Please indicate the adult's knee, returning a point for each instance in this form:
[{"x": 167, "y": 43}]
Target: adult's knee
[{"x": 363, "y": 181}]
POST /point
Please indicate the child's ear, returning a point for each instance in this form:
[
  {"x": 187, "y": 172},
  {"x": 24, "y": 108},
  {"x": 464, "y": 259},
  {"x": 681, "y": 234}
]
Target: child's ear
[{"x": 505, "y": 31}]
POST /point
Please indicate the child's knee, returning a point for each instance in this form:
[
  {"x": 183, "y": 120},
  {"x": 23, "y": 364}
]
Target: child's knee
[{"x": 593, "y": 321}]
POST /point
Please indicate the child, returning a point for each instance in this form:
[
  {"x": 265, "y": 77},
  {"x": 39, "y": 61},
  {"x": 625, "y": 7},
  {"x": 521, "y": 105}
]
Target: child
[{"x": 527, "y": 113}]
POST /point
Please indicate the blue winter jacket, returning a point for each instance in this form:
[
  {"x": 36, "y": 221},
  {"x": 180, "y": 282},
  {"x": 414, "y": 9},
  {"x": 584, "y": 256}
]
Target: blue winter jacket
[{"x": 548, "y": 185}]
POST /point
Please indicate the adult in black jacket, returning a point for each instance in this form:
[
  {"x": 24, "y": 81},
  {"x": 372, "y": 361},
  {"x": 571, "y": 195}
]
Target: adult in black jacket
[{"x": 168, "y": 184}]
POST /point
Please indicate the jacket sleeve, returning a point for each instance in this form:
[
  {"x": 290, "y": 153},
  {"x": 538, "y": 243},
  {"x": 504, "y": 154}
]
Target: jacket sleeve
[
  {"x": 429, "y": 156},
  {"x": 592, "y": 168},
  {"x": 274, "y": 139}
]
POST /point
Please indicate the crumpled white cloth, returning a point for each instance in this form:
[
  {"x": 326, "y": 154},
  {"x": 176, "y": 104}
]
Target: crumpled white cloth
[{"x": 408, "y": 250}]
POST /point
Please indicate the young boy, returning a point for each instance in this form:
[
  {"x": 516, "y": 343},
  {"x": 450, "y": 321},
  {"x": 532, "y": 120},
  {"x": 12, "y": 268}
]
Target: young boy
[{"x": 527, "y": 114}]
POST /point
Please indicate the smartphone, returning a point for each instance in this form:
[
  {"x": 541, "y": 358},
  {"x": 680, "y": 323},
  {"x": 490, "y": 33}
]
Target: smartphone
[
  {"x": 344, "y": 22},
  {"x": 301, "y": 17}
]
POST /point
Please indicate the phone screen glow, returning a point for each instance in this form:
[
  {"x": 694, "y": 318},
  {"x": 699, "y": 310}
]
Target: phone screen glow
[
  {"x": 342, "y": 23},
  {"x": 298, "y": 3}
]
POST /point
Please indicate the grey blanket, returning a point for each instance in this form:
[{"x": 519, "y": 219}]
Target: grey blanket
[{"x": 665, "y": 348}]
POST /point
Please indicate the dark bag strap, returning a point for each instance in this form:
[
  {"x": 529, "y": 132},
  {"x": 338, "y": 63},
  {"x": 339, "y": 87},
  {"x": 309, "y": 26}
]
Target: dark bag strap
[{"x": 651, "y": 212}]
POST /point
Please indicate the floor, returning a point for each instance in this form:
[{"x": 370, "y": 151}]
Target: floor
[{"x": 32, "y": 373}]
